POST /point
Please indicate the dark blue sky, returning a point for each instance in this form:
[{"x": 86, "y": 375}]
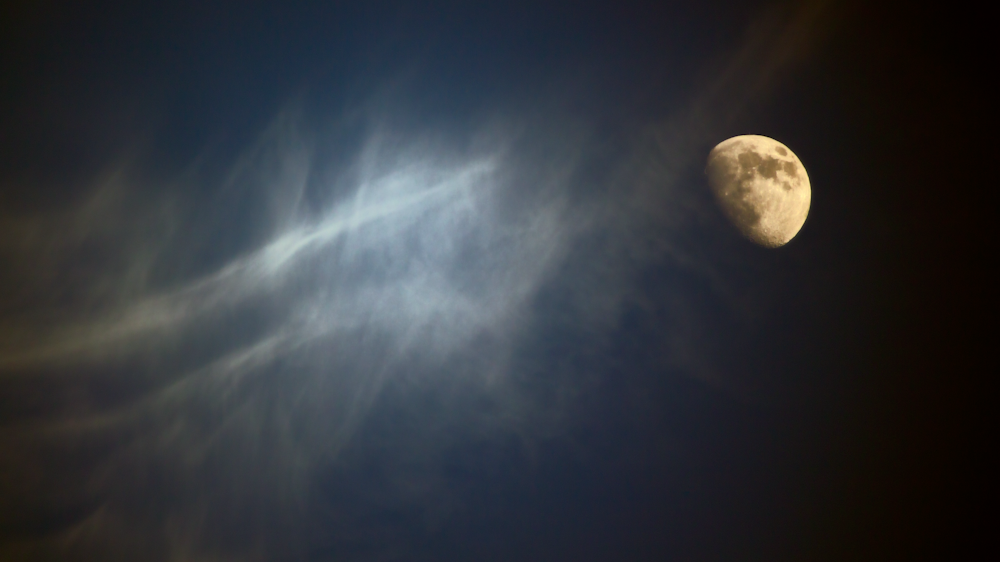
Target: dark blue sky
[{"x": 445, "y": 281}]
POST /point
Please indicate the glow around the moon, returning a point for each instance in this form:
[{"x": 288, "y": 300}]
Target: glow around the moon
[{"x": 761, "y": 187}]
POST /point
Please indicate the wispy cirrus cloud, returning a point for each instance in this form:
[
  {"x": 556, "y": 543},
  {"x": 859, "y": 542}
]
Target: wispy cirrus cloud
[{"x": 454, "y": 267}]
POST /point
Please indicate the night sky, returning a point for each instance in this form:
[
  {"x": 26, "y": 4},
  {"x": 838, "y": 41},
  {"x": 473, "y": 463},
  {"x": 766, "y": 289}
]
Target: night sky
[{"x": 379, "y": 281}]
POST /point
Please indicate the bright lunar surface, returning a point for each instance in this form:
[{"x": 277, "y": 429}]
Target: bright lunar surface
[{"x": 761, "y": 187}]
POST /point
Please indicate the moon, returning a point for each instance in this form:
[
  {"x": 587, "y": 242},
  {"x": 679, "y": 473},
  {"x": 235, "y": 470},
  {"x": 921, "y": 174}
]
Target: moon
[{"x": 761, "y": 187}]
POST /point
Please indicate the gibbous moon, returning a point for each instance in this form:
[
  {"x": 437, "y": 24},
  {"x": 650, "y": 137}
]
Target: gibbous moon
[{"x": 761, "y": 187}]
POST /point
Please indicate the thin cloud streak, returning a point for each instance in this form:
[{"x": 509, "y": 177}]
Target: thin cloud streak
[{"x": 396, "y": 200}]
